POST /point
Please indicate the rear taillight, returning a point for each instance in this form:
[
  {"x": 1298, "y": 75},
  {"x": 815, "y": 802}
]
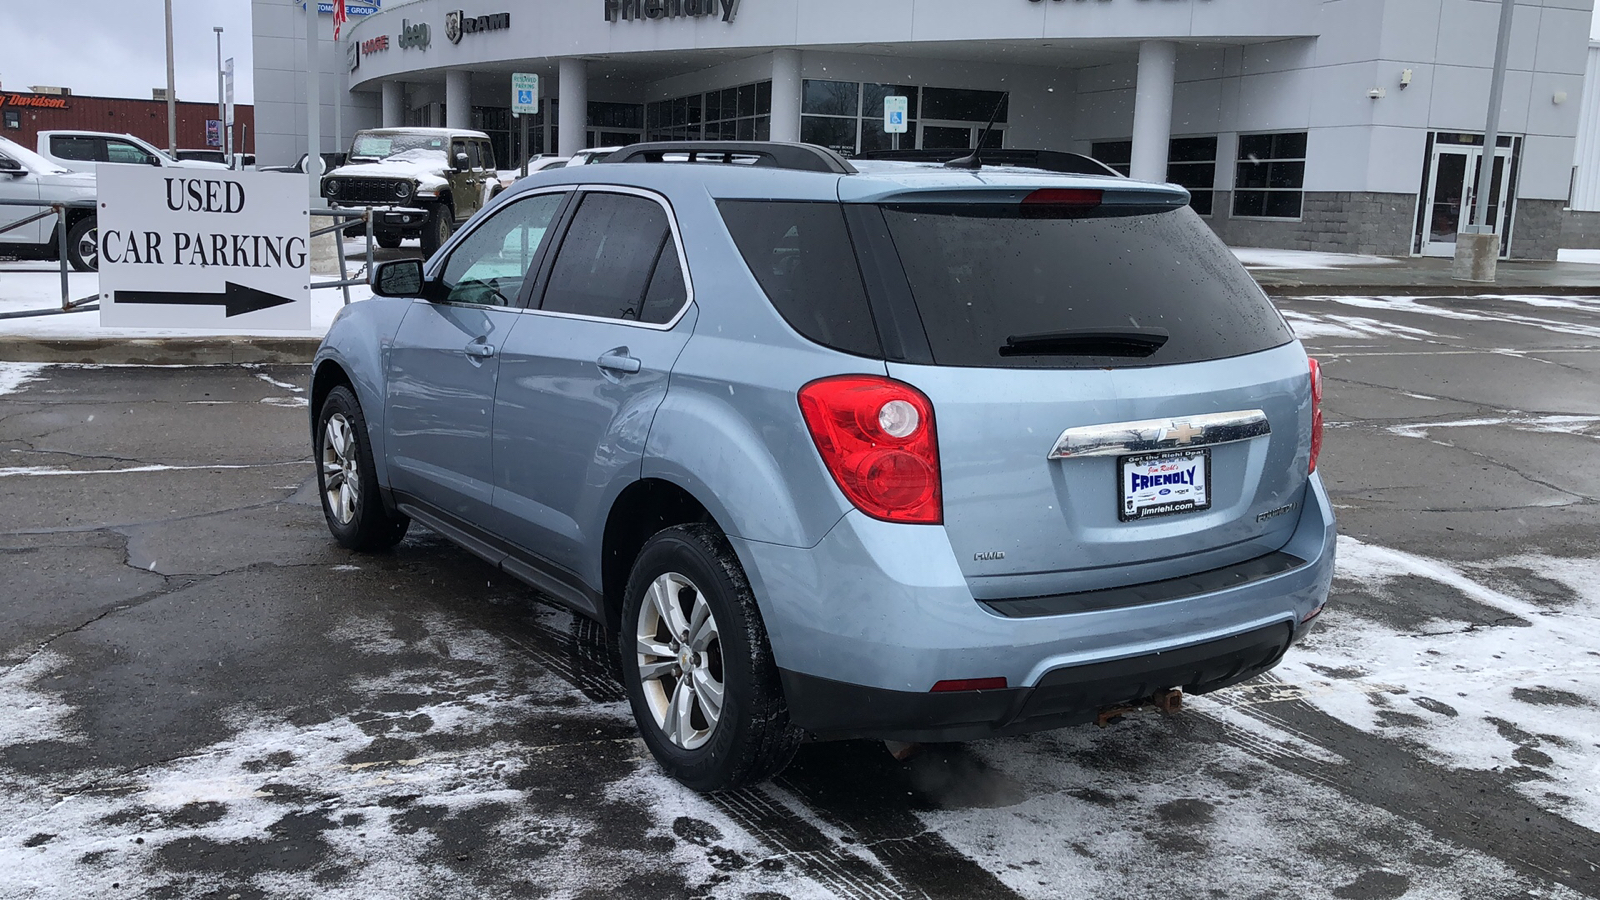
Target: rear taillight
[
  {"x": 1316, "y": 413},
  {"x": 876, "y": 437}
]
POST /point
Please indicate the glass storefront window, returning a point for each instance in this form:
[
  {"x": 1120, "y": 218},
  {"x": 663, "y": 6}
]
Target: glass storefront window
[
  {"x": 830, "y": 98},
  {"x": 963, "y": 105},
  {"x": 1269, "y": 177}
]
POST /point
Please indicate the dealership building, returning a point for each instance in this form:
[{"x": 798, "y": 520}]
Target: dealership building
[{"x": 1339, "y": 125}]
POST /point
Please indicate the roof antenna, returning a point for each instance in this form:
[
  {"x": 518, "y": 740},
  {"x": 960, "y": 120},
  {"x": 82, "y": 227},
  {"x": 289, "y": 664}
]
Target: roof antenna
[{"x": 974, "y": 159}]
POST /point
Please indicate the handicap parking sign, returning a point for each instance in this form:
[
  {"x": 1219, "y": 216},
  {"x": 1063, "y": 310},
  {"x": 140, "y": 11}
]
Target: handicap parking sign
[
  {"x": 894, "y": 114},
  {"x": 524, "y": 94}
]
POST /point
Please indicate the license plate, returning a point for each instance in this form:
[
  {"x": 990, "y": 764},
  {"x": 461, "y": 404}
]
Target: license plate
[{"x": 1164, "y": 484}]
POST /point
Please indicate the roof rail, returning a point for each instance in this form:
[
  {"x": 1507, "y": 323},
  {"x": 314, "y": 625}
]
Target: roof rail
[
  {"x": 766, "y": 154},
  {"x": 1048, "y": 160}
]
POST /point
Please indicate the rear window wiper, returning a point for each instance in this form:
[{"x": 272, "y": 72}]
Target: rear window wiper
[{"x": 1131, "y": 343}]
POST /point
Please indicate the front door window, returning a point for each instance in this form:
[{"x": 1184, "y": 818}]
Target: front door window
[{"x": 491, "y": 264}]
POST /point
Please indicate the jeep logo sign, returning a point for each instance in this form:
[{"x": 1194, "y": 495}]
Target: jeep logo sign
[
  {"x": 625, "y": 10},
  {"x": 457, "y": 24},
  {"x": 418, "y": 35}
]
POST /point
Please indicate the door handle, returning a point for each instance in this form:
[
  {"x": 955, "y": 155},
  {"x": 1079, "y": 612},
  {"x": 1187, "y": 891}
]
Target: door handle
[
  {"x": 480, "y": 351},
  {"x": 619, "y": 361}
]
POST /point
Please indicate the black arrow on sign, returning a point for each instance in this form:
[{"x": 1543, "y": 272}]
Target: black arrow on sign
[{"x": 237, "y": 299}]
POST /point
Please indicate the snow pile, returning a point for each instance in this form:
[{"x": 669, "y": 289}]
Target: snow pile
[
  {"x": 14, "y": 375},
  {"x": 1261, "y": 258}
]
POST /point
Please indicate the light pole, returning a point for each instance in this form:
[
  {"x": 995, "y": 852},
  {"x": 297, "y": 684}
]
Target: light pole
[
  {"x": 1478, "y": 243},
  {"x": 222, "y": 109},
  {"x": 172, "y": 91}
]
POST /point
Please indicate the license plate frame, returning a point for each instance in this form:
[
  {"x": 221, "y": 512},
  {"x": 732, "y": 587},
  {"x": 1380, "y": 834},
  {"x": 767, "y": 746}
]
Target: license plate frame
[{"x": 1153, "y": 505}]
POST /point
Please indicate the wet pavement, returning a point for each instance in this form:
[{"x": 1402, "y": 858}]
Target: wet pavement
[{"x": 201, "y": 695}]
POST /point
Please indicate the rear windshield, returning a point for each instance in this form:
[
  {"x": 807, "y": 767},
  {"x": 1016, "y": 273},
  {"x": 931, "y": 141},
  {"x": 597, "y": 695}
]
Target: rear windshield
[{"x": 997, "y": 288}]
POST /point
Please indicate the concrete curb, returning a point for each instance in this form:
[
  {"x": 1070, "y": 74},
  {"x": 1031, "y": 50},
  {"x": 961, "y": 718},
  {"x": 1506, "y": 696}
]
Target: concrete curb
[{"x": 177, "y": 351}]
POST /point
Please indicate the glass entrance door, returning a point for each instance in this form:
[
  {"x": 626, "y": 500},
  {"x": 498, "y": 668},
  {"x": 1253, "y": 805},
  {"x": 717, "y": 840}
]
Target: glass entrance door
[{"x": 1452, "y": 193}]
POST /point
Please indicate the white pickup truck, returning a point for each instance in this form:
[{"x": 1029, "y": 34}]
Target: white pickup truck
[
  {"x": 25, "y": 175},
  {"x": 82, "y": 151}
]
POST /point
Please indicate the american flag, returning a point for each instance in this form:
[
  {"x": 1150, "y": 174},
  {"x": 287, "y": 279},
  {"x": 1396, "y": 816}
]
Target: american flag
[{"x": 339, "y": 17}]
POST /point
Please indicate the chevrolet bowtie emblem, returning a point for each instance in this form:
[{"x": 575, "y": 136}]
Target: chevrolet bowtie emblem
[{"x": 1183, "y": 434}]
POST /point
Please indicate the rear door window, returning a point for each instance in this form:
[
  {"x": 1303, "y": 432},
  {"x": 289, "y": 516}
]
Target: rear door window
[
  {"x": 84, "y": 149},
  {"x": 618, "y": 261},
  {"x": 997, "y": 288},
  {"x": 801, "y": 255}
]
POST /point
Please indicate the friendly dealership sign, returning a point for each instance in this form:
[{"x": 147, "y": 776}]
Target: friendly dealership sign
[{"x": 204, "y": 249}]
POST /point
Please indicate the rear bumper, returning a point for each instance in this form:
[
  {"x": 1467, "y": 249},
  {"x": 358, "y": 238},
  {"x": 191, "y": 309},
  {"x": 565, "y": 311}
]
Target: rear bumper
[
  {"x": 864, "y": 624},
  {"x": 1067, "y": 696}
]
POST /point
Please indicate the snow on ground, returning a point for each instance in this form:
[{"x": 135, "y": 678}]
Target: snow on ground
[
  {"x": 14, "y": 375},
  {"x": 1260, "y": 258},
  {"x": 1518, "y": 696},
  {"x": 1591, "y": 257},
  {"x": 86, "y": 831},
  {"x": 37, "y": 286},
  {"x": 1317, "y": 317}
]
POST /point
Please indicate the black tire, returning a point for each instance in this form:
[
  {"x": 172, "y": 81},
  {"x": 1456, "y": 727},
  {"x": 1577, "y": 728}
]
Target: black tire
[
  {"x": 389, "y": 240},
  {"x": 440, "y": 225},
  {"x": 752, "y": 739},
  {"x": 369, "y": 526},
  {"x": 83, "y": 245}
]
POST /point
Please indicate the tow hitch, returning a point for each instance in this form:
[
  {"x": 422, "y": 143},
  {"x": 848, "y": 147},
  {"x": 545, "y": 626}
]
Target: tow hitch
[{"x": 1168, "y": 701}]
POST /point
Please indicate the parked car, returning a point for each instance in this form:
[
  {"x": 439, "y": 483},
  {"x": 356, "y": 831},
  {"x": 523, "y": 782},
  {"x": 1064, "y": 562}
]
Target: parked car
[
  {"x": 888, "y": 450},
  {"x": 212, "y": 154},
  {"x": 537, "y": 164},
  {"x": 419, "y": 182},
  {"x": 25, "y": 175},
  {"x": 83, "y": 151},
  {"x": 329, "y": 161},
  {"x": 591, "y": 156}
]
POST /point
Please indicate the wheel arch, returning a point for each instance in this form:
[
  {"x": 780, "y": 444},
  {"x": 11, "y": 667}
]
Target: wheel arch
[{"x": 644, "y": 508}]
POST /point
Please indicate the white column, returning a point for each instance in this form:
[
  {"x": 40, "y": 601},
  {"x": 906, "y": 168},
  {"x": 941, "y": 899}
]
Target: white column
[
  {"x": 394, "y": 104},
  {"x": 457, "y": 99},
  {"x": 1152, "y": 110},
  {"x": 786, "y": 91},
  {"x": 573, "y": 119},
  {"x": 313, "y": 109}
]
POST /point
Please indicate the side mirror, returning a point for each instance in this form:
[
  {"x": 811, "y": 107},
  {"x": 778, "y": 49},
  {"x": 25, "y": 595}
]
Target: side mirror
[
  {"x": 398, "y": 278},
  {"x": 11, "y": 167},
  {"x": 461, "y": 162}
]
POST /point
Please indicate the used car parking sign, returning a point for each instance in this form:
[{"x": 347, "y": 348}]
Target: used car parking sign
[{"x": 193, "y": 248}]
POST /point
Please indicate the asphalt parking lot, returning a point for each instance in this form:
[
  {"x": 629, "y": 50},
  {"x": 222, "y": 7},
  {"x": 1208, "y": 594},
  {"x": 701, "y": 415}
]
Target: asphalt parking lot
[{"x": 201, "y": 695}]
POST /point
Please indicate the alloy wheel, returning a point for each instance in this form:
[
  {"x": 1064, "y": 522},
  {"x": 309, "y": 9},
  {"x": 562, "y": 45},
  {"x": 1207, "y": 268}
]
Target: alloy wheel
[
  {"x": 341, "y": 477},
  {"x": 89, "y": 248},
  {"x": 679, "y": 655}
]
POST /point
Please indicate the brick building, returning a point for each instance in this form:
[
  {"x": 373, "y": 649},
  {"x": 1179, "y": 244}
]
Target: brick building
[{"x": 23, "y": 114}]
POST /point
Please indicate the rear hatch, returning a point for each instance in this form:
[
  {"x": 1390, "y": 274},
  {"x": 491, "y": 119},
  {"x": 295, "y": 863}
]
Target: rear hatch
[{"x": 1114, "y": 323}]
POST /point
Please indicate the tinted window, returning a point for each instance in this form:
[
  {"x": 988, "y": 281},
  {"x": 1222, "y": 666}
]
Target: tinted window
[
  {"x": 802, "y": 256},
  {"x": 486, "y": 154},
  {"x": 79, "y": 148},
  {"x": 491, "y": 264},
  {"x": 611, "y": 262},
  {"x": 986, "y": 275}
]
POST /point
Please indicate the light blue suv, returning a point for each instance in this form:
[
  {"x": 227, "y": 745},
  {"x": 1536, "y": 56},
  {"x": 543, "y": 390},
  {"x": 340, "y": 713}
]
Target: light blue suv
[{"x": 873, "y": 449}]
